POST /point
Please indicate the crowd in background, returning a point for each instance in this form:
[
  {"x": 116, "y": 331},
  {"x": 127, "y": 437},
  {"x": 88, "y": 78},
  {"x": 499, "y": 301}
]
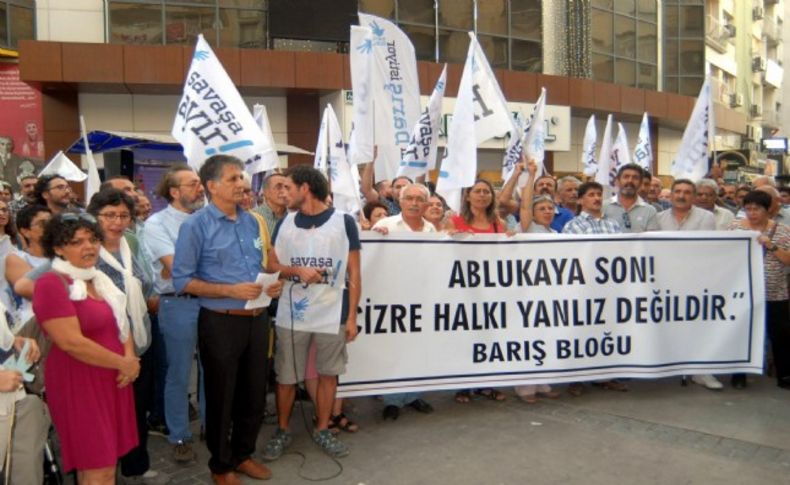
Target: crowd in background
[{"x": 114, "y": 302}]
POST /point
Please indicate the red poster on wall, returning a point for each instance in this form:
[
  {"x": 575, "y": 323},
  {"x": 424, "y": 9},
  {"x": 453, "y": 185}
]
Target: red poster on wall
[{"x": 21, "y": 126}]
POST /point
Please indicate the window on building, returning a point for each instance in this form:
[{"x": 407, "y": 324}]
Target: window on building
[
  {"x": 17, "y": 22},
  {"x": 684, "y": 46},
  {"x": 224, "y": 23},
  {"x": 624, "y": 47}
]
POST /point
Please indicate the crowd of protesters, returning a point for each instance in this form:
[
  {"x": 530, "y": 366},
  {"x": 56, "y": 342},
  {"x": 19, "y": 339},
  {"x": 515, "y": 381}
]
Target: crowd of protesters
[{"x": 112, "y": 303}]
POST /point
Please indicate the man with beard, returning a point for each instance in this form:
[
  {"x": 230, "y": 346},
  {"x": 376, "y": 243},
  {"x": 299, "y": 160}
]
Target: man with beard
[
  {"x": 178, "y": 313},
  {"x": 26, "y": 195},
  {"x": 316, "y": 249},
  {"x": 54, "y": 192},
  {"x": 627, "y": 208}
]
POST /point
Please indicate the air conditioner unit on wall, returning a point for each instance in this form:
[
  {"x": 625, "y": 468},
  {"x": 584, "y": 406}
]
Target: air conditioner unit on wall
[
  {"x": 756, "y": 110},
  {"x": 758, "y": 64},
  {"x": 736, "y": 99},
  {"x": 758, "y": 13}
]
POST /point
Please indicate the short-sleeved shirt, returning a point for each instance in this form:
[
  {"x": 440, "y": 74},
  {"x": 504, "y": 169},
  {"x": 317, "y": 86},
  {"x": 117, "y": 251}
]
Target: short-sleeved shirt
[
  {"x": 160, "y": 235},
  {"x": 397, "y": 224},
  {"x": 561, "y": 217},
  {"x": 539, "y": 229},
  {"x": 304, "y": 221},
  {"x": 775, "y": 276},
  {"x": 213, "y": 248},
  {"x": 269, "y": 216},
  {"x": 639, "y": 218},
  {"x": 696, "y": 220}
]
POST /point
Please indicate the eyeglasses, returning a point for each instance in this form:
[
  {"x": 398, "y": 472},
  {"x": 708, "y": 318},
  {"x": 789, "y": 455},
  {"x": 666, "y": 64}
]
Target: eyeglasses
[
  {"x": 60, "y": 187},
  {"x": 190, "y": 185},
  {"x": 114, "y": 217},
  {"x": 74, "y": 216},
  {"x": 626, "y": 220}
]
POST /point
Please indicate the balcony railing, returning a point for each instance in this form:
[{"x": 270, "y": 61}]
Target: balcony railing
[
  {"x": 717, "y": 34},
  {"x": 772, "y": 31},
  {"x": 772, "y": 118},
  {"x": 720, "y": 92}
]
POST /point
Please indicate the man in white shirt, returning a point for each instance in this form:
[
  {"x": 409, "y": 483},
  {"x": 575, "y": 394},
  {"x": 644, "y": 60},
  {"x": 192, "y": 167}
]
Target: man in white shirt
[
  {"x": 413, "y": 202},
  {"x": 707, "y": 193}
]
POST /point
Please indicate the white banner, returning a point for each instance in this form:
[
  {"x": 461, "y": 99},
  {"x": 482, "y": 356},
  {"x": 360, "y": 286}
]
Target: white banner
[
  {"x": 269, "y": 159},
  {"x": 480, "y": 113},
  {"x": 489, "y": 311},
  {"x": 360, "y": 149},
  {"x": 534, "y": 138},
  {"x": 606, "y": 169},
  {"x": 691, "y": 160},
  {"x": 588, "y": 148},
  {"x": 420, "y": 156},
  {"x": 330, "y": 159},
  {"x": 621, "y": 154},
  {"x": 63, "y": 166},
  {"x": 212, "y": 118},
  {"x": 643, "y": 151},
  {"x": 395, "y": 91}
]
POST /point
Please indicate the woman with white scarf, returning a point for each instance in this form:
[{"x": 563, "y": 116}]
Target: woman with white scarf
[
  {"x": 114, "y": 210},
  {"x": 92, "y": 362}
]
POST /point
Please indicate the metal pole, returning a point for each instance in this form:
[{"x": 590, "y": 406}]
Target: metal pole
[{"x": 436, "y": 30}]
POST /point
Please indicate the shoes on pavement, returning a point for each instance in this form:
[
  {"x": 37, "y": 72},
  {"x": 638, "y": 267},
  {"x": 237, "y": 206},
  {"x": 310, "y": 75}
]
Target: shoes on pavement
[
  {"x": 576, "y": 389},
  {"x": 255, "y": 470},
  {"x": 158, "y": 428},
  {"x": 151, "y": 477},
  {"x": 229, "y": 478},
  {"x": 330, "y": 444},
  {"x": 708, "y": 381},
  {"x": 421, "y": 406},
  {"x": 280, "y": 440},
  {"x": 183, "y": 452},
  {"x": 390, "y": 412}
]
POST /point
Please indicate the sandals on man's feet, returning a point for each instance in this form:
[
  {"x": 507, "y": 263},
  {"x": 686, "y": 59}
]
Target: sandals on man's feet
[
  {"x": 492, "y": 394},
  {"x": 341, "y": 422},
  {"x": 463, "y": 397}
]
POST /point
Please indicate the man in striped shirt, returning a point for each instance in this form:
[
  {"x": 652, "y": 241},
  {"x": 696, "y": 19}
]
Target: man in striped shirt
[{"x": 591, "y": 219}]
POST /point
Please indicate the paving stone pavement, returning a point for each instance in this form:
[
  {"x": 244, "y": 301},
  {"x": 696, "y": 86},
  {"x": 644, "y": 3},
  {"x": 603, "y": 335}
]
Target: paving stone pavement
[{"x": 657, "y": 433}]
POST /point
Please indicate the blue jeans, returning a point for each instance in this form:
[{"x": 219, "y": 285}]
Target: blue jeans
[
  {"x": 401, "y": 399},
  {"x": 178, "y": 325}
]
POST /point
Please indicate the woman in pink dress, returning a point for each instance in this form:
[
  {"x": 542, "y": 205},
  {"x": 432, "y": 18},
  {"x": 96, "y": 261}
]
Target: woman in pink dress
[{"x": 92, "y": 362}]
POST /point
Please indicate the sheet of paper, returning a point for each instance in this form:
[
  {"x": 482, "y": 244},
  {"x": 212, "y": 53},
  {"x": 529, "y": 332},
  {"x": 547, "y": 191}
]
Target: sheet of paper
[{"x": 266, "y": 280}]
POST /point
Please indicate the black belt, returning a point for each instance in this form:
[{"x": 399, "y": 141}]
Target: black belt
[{"x": 177, "y": 295}]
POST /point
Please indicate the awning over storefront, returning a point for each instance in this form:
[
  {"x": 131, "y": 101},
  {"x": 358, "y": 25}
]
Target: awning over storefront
[{"x": 104, "y": 141}]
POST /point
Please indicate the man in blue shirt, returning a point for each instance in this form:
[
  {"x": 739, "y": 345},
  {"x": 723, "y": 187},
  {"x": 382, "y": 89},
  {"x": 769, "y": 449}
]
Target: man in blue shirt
[
  {"x": 178, "y": 313},
  {"x": 219, "y": 253}
]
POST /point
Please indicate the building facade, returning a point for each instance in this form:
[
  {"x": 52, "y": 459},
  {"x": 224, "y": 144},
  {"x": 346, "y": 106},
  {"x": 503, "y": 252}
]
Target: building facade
[{"x": 121, "y": 64}]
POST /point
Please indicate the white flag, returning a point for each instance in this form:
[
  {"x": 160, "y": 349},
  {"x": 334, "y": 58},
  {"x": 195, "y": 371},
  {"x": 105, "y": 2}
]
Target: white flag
[
  {"x": 396, "y": 92},
  {"x": 535, "y": 137},
  {"x": 514, "y": 148},
  {"x": 94, "y": 181},
  {"x": 588, "y": 148},
  {"x": 360, "y": 149},
  {"x": 643, "y": 151},
  {"x": 621, "y": 154},
  {"x": 480, "y": 113},
  {"x": 267, "y": 160},
  {"x": 61, "y": 165},
  {"x": 420, "y": 155},
  {"x": 211, "y": 117},
  {"x": 691, "y": 160},
  {"x": 330, "y": 159},
  {"x": 605, "y": 167}
]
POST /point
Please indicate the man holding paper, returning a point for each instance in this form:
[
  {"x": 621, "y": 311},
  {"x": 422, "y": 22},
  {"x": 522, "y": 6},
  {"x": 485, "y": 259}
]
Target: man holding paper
[{"x": 219, "y": 254}]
